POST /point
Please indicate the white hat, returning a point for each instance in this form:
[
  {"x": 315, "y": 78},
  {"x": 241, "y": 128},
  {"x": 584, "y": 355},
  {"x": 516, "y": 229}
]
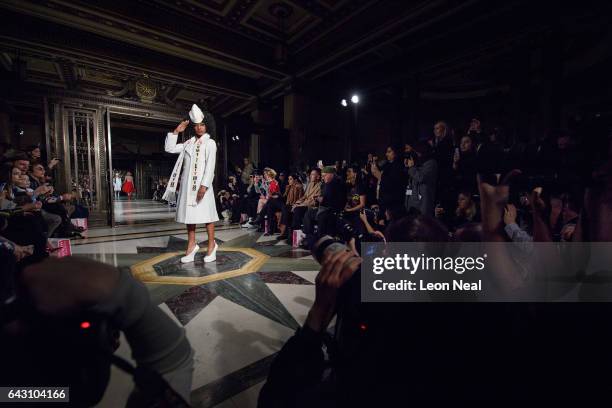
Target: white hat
[{"x": 196, "y": 115}]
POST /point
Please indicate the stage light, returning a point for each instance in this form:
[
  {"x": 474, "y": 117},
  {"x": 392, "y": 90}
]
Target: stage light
[
  {"x": 343, "y": 102},
  {"x": 237, "y": 137},
  {"x": 355, "y": 99}
]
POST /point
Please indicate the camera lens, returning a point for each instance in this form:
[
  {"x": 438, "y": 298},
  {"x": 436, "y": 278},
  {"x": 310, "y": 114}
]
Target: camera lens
[{"x": 326, "y": 244}]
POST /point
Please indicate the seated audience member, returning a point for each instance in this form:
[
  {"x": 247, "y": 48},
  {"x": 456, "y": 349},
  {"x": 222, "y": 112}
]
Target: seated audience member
[
  {"x": 34, "y": 154},
  {"x": 422, "y": 179},
  {"x": 465, "y": 213},
  {"x": 331, "y": 202},
  {"x": 24, "y": 224},
  {"x": 293, "y": 192},
  {"x": 35, "y": 157},
  {"x": 225, "y": 206},
  {"x": 308, "y": 200},
  {"x": 269, "y": 191},
  {"x": 247, "y": 170},
  {"x": 53, "y": 210},
  {"x": 563, "y": 217},
  {"x": 356, "y": 198},
  {"x": 282, "y": 182},
  {"x": 251, "y": 199},
  {"x": 234, "y": 186}
]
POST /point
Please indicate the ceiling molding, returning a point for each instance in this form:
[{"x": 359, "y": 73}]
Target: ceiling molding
[{"x": 122, "y": 29}]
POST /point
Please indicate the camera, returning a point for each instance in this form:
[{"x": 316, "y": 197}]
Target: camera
[
  {"x": 345, "y": 230},
  {"x": 326, "y": 244}
]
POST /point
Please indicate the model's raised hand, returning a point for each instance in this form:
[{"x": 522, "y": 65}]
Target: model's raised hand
[{"x": 181, "y": 127}]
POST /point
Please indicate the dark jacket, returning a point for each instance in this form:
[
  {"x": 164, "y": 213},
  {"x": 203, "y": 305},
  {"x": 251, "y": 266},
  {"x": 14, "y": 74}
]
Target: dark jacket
[
  {"x": 392, "y": 183},
  {"x": 334, "y": 194},
  {"x": 421, "y": 191}
]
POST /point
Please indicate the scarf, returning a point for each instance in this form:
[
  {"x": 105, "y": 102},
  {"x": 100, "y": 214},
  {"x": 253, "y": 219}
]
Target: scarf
[{"x": 192, "y": 192}]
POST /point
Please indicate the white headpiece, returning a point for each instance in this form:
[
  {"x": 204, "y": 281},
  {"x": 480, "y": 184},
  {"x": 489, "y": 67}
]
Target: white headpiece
[{"x": 196, "y": 115}]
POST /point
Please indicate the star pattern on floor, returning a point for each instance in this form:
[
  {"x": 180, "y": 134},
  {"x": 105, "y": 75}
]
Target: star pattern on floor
[{"x": 249, "y": 291}]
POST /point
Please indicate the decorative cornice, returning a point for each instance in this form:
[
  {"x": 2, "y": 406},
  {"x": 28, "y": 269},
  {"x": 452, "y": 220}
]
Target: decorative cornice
[
  {"x": 122, "y": 29},
  {"x": 53, "y": 54}
]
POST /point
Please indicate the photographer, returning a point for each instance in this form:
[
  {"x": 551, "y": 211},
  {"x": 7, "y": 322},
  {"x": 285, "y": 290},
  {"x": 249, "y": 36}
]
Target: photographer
[
  {"x": 296, "y": 373},
  {"x": 423, "y": 177},
  {"x": 54, "y": 298},
  {"x": 465, "y": 213}
]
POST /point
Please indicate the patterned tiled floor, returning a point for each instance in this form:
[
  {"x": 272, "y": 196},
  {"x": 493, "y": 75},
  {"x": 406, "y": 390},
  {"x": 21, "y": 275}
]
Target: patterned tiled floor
[{"x": 235, "y": 325}]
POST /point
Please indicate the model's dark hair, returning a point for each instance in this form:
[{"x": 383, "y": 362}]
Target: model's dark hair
[{"x": 211, "y": 126}]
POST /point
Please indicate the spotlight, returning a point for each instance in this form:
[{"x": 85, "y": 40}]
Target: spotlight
[
  {"x": 237, "y": 137},
  {"x": 343, "y": 102},
  {"x": 355, "y": 99}
]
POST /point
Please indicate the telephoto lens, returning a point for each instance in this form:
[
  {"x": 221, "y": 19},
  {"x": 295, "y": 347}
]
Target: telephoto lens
[{"x": 326, "y": 244}]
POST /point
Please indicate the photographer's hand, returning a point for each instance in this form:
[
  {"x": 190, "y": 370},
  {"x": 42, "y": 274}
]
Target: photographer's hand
[
  {"x": 54, "y": 162},
  {"x": 510, "y": 214},
  {"x": 336, "y": 269}
]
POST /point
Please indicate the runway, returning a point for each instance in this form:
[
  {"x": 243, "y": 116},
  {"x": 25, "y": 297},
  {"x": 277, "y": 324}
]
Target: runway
[
  {"x": 237, "y": 312},
  {"x": 133, "y": 212}
]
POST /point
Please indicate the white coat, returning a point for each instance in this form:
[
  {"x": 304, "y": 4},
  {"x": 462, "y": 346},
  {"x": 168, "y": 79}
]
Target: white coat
[{"x": 205, "y": 211}]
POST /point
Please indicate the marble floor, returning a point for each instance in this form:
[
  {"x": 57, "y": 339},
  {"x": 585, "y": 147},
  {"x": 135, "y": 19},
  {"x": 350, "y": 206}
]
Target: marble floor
[
  {"x": 132, "y": 212},
  {"x": 237, "y": 313}
]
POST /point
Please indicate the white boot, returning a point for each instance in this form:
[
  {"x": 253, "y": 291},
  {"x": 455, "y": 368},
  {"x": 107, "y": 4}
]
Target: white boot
[
  {"x": 212, "y": 256},
  {"x": 190, "y": 256}
]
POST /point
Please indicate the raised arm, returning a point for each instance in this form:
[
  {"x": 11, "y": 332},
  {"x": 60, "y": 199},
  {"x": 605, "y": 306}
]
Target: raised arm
[{"x": 171, "y": 146}]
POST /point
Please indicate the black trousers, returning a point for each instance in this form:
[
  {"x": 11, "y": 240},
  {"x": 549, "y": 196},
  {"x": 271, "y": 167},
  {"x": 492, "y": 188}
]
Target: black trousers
[
  {"x": 273, "y": 206},
  {"x": 298, "y": 217},
  {"x": 249, "y": 206},
  {"x": 28, "y": 230},
  {"x": 286, "y": 216}
]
